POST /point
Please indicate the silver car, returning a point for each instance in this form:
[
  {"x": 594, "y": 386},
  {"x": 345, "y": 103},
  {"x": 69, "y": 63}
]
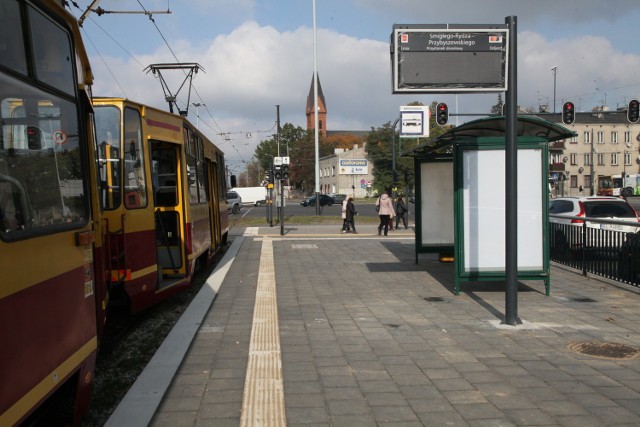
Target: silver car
[
  {"x": 598, "y": 207},
  {"x": 234, "y": 201}
]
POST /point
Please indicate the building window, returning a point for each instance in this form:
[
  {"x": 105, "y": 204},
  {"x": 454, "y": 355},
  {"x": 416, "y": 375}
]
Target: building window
[
  {"x": 600, "y": 137},
  {"x": 614, "y": 159},
  {"x": 627, "y": 137},
  {"x": 333, "y": 171},
  {"x": 574, "y": 158},
  {"x": 573, "y": 140},
  {"x": 587, "y": 137},
  {"x": 574, "y": 181},
  {"x": 587, "y": 181},
  {"x": 587, "y": 159},
  {"x": 614, "y": 137},
  {"x": 600, "y": 159},
  {"x": 627, "y": 158}
]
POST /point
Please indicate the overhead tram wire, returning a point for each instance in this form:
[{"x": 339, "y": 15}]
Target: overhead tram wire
[
  {"x": 106, "y": 64},
  {"x": 219, "y": 128}
]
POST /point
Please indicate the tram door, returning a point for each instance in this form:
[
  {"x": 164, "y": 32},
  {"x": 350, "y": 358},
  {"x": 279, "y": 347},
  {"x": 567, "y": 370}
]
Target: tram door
[
  {"x": 214, "y": 204},
  {"x": 166, "y": 178},
  {"x": 127, "y": 214}
]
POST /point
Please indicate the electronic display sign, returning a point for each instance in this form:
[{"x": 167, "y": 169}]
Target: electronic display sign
[{"x": 449, "y": 58}]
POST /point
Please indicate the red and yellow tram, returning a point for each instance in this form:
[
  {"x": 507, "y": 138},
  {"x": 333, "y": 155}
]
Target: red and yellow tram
[
  {"x": 48, "y": 337},
  {"x": 119, "y": 205},
  {"x": 163, "y": 200}
]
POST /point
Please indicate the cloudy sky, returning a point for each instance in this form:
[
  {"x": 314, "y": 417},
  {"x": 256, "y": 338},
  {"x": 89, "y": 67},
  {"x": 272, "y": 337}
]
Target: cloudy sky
[{"x": 256, "y": 54}]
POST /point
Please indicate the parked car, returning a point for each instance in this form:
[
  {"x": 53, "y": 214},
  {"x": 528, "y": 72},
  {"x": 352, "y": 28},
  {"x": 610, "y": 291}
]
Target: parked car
[
  {"x": 570, "y": 209},
  {"x": 325, "y": 200},
  {"x": 594, "y": 207},
  {"x": 234, "y": 201}
]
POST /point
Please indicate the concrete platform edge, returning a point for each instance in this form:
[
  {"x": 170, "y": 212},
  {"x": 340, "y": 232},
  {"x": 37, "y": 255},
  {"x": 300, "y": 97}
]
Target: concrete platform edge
[{"x": 139, "y": 405}]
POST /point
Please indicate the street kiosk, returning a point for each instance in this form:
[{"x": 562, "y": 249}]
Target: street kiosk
[{"x": 460, "y": 204}]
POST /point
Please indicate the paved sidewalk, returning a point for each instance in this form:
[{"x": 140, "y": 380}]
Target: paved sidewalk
[{"x": 368, "y": 337}]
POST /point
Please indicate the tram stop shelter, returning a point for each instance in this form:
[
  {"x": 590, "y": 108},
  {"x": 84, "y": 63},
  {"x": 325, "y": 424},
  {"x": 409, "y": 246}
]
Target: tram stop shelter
[{"x": 460, "y": 198}]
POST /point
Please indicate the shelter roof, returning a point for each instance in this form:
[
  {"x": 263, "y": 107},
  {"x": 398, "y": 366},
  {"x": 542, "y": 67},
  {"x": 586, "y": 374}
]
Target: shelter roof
[{"x": 494, "y": 126}]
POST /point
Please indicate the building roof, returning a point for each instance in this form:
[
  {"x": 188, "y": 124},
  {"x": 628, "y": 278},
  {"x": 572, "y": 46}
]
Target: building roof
[
  {"x": 595, "y": 117},
  {"x": 322, "y": 106}
]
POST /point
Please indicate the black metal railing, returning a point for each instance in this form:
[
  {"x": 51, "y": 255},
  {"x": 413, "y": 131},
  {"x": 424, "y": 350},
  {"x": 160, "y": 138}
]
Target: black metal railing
[{"x": 597, "y": 250}]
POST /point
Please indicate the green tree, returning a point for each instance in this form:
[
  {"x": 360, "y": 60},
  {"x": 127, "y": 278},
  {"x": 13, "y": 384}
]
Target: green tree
[{"x": 380, "y": 152}]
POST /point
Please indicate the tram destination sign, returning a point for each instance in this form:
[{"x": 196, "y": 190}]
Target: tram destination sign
[{"x": 449, "y": 58}]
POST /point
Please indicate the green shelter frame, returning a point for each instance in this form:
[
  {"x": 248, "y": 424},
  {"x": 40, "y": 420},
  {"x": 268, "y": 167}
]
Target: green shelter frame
[{"x": 470, "y": 159}]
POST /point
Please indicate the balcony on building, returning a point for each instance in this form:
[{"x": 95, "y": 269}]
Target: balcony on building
[{"x": 557, "y": 145}]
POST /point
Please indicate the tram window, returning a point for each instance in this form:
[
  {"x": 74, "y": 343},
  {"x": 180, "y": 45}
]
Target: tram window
[
  {"x": 192, "y": 166},
  {"x": 41, "y": 182},
  {"x": 165, "y": 190},
  {"x": 52, "y": 52},
  {"x": 108, "y": 133},
  {"x": 12, "y": 52},
  {"x": 135, "y": 190}
]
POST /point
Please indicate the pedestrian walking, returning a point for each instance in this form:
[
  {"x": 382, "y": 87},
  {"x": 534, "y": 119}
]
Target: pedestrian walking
[
  {"x": 344, "y": 215},
  {"x": 401, "y": 213},
  {"x": 351, "y": 213},
  {"x": 384, "y": 206}
]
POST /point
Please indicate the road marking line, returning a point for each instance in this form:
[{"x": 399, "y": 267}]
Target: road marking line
[{"x": 263, "y": 398}]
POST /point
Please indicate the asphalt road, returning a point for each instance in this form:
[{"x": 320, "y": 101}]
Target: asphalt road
[{"x": 293, "y": 207}]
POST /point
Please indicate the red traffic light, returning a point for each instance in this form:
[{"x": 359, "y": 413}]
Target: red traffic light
[
  {"x": 442, "y": 114},
  {"x": 633, "y": 111},
  {"x": 568, "y": 113}
]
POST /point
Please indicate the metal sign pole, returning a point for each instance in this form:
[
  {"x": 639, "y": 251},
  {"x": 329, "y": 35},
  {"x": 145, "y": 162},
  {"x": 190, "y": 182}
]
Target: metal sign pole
[
  {"x": 282, "y": 207},
  {"x": 511, "y": 181}
]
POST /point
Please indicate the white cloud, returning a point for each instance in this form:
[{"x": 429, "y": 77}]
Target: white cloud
[
  {"x": 565, "y": 12},
  {"x": 253, "y": 68}
]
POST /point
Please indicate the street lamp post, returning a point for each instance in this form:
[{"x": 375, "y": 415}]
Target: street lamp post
[
  {"x": 198, "y": 105},
  {"x": 554, "y": 69},
  {"x": 592, "y": 172}
]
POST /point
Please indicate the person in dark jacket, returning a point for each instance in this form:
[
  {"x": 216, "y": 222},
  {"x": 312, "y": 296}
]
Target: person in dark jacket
[
  {"x": 351, "y": 212},
  {"x": 401, "y": 213}
]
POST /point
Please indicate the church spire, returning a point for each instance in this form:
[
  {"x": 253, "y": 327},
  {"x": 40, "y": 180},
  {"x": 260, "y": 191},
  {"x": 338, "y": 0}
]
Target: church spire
[{"x": 322, "y": 110}]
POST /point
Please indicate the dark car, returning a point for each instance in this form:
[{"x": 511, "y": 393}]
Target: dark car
[
  {"x": 338, "y": 198},
  {"x": 325, "y": 200}
]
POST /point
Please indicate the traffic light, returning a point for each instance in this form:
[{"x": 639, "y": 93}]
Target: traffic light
[
  {"x": 285, "y": 171},
  {"x": 34, "y": 137},
  {"x": 633, "y": 112},
  {"x": 278, "y": 171},
  {"x": 442, "y": 114},
  {"x": 568, "y": 113}
]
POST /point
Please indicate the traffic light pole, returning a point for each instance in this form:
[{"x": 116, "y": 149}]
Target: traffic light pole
[
  {"x": 281, "y": 206},
  {"x": 393, "y": 159}
]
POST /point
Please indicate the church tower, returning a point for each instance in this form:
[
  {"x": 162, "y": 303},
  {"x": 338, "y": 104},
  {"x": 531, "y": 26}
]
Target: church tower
[{"x": 322, "y": 110}]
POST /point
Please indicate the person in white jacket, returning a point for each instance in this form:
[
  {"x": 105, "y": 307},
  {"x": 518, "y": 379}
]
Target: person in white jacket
[
  {"x": 386, "y": 212},
  {"x": 345, "y": 226}
]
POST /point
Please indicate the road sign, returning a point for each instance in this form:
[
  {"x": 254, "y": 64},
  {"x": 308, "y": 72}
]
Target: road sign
[
  {"x": 453, "y": 58},
  {"x": 414, "y": 121},
  {"x": 279, "y": 161}
]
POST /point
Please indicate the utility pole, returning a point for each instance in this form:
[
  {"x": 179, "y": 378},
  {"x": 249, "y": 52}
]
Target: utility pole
[{"x": 278, "y": 128}]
